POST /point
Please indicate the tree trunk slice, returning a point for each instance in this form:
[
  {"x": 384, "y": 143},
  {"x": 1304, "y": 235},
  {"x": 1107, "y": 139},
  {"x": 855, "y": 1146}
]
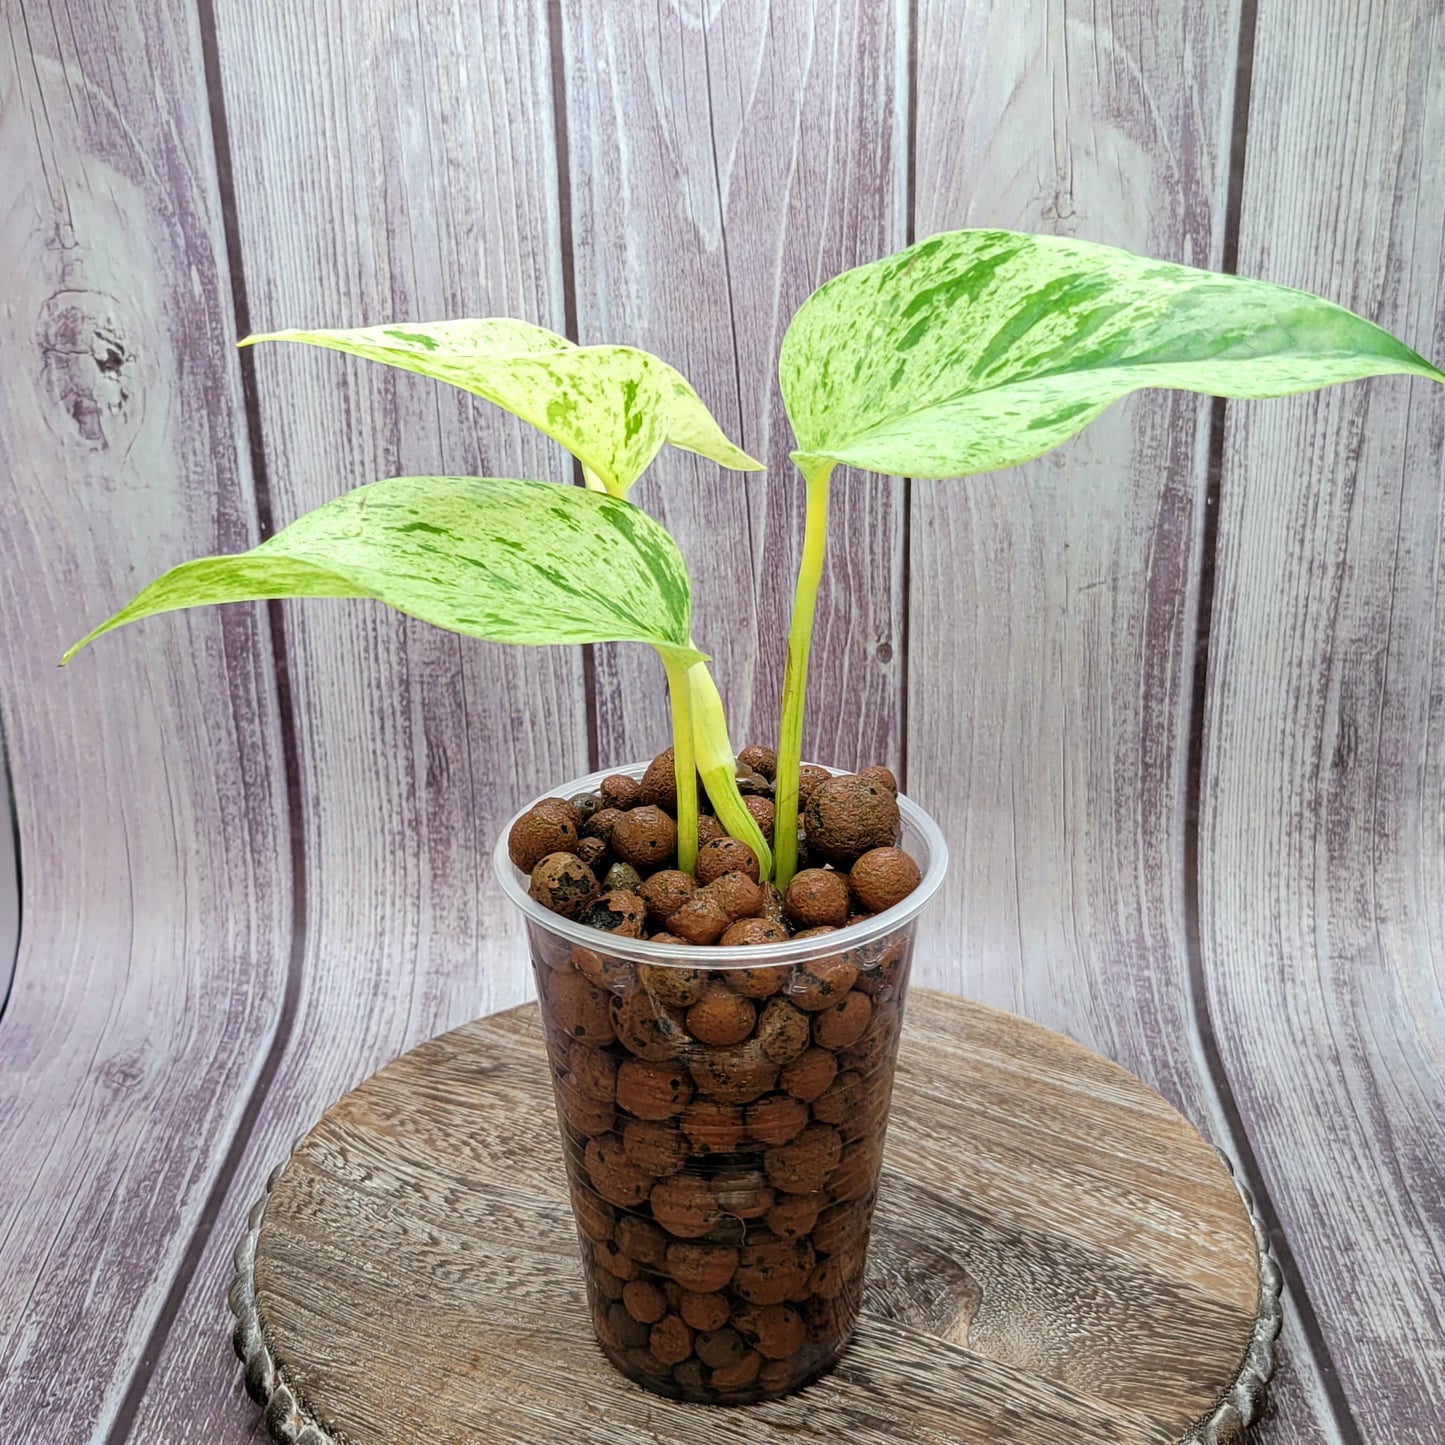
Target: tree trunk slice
[{"x": 1058, "y": 1258}]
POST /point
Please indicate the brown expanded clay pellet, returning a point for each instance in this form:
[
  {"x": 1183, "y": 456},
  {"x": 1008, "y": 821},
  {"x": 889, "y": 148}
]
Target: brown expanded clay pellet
[
  {"x": 593, "y": 1071},
  {"x": 563, "y": 883},
  {"x": 593, "y": 852},
  {"x": 644, "y": 1301},
  {"x": 672, "y": 986},
  {"x": 612, "y": 974},
  {"x": 619, "y": 912},
  {"x": 646, "y": 837},
  {"x": 846, "y": 816},
  {"x": 752, "y": 932},
  {"x": 774, "y": 1270},
  {"x": 671, "y": 1340},
  {"x": 821, "y": 983},
  {"x": 883, "y": 877},
  {"x": 595, "y": 1217},
  {"x": 685, "y": 1206},
  {"x": 652, "y": 1091},
  {"x": 702, "y": 1268},
  {"x": 738, "y": 1376},
  {"x": 614, "y": 1176},
  {"x": 704, "y": 1311},
  {"x": 609, "y": 1257},
  {"x": 552, "y": 826},
  {"x": 713, "y": 1127},
  {"x": 844, "y": 1022},
  {"x": 665, "y": 892},
  {"x": 783, "y": 1031},
  {"x": 691, "y": 1376},
  {"x": 644, "y": 1027},
  {"x": 776, "y": 1119},
  {"x": 578, "y": 1008},
  {"x": 740, "y": 895},
  {"x": 659, "y": 782},
  {"x": 642, "y": 1240},
  {"x": 775, "y": 1331},
  {"x": 803, "y": 1165},
  {"x": 720, "y": 1348},
  {"x": 620, "y": 791},
  {"x": 795, "y": 1215},
  {"x": 758, "y": 982},
  {"x": 601, "y": 824},
  {"x": 656, "y": 1149},
  {"x": 722, "y": 856},
  {"x": 735, "y": 1075},
  {"x": 721, "y": 1016},
  {"x": 700, "y": 920},
  {"x": 758, "y": 759},
  {"x": 809, "y": 1075},
  {"x": 817, "y": 898}
]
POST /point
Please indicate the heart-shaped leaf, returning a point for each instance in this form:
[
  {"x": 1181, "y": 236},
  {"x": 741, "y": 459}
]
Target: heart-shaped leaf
[
  {"x": 975, "y": 350},
  {"x": 612, "y": 407},
  {"x": 509, "y": 561}
]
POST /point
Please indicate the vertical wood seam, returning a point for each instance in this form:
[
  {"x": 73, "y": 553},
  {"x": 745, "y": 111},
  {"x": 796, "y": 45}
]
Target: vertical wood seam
[
  {"x": 562, "y": 143},
  {"x": 125, "y": 1417},
  {"x": 910, "y": 231},
  {"x": 9, "y": 818},
  {"x": 1242, "y": 1145}
]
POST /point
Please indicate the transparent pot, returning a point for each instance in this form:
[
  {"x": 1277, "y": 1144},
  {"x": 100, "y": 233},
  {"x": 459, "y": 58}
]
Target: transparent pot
[{"x": 724, "y": 1191}]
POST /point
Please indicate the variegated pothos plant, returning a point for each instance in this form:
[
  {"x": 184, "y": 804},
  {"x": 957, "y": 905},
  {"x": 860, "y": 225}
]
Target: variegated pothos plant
[{"x": 969, "y": 352}]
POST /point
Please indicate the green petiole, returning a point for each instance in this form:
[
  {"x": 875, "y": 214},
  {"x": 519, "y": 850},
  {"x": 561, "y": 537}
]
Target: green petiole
[
  {"x": 679, "y": 689},
  {"x": 718, "y": 766},
  {"x": 795, "y": 675}
]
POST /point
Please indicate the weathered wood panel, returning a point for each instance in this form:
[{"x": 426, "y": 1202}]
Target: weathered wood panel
[
  {"x": 1051, "y": 621},
  {"x": 418, "y": 181},
  {"x": 1057, "y": 1257},
  {"x": 147, "y": 776},
  {"x": 1323, "y": 845},
  {"x": 1052, "y": 608},
  {"x": 9, "y": 889},
  {"x": 725, "y": 160}
]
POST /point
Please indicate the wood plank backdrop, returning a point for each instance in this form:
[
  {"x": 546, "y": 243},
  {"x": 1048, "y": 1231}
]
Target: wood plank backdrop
[{"x": 1176, "y": 692}]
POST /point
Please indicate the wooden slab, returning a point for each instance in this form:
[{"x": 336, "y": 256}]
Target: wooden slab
[{"x": 1059, "y": 1257}]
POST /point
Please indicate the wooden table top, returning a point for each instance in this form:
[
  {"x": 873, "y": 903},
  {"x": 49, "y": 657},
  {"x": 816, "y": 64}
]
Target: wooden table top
[{"x": 1057, "y": 1256}]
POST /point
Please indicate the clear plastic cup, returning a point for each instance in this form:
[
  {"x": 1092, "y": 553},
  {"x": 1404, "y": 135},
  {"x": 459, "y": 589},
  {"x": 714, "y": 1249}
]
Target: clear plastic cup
[{"x": 722, "y": 1113}]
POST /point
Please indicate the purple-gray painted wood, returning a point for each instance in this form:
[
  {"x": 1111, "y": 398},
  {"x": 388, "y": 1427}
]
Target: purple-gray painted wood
[
  {"x": 725, "y": 160},
  {"x": 1323, "y": 842},
  {"x": 9, "y": 890},
  {"x": 1052, "y": 615},
  {"x": 148, "y": 776},
  {"x": 429, "y": 190}
]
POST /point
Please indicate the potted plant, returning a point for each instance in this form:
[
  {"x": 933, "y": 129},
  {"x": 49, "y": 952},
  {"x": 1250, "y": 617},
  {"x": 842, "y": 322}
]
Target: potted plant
[{"x": 722, "y": 990}]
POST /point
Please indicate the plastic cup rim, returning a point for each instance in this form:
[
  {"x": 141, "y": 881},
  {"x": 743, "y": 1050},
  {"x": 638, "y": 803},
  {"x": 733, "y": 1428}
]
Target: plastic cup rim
[{"x": 794, "y": 950}]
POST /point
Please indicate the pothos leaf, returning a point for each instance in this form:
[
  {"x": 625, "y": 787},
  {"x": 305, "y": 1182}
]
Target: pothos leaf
[
  {"x": 975, "y": 350},
  {"x": 509, "y": 561},
  {"x": 612, "y": 407}
]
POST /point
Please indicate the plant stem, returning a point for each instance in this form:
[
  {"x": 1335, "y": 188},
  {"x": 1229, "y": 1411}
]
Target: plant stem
[
  {"x": 684, "y": 763},
  {"x": 593, "y": 481},
  {"x": 795, "y": 675},
  {"x": 718, "y": 766}
]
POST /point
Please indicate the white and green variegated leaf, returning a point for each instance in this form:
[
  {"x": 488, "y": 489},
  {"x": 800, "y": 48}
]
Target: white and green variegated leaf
[
  {"x": 975, "y": 350},
  {"x": 509, "y": 561},
  {"x": 612, "y": 407}
]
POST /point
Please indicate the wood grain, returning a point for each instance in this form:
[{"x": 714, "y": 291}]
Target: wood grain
[
  {"x": 390, "y": 164},
  {"x": 1058, "y": 1256},
  {"x": 1323, "y": 843},
  {"x": 9, "y": 889},
  {"x": 725, "y": 160},
  {"x": 1052, "y": 609},
  {"x": 148, "y": 775}
]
